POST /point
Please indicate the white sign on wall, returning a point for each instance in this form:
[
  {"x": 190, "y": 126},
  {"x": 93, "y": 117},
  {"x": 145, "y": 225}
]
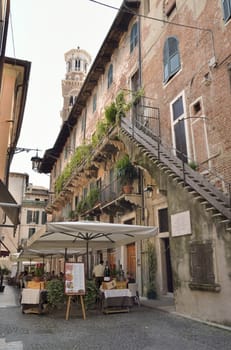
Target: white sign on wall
[{"x": 181, "y": 224}]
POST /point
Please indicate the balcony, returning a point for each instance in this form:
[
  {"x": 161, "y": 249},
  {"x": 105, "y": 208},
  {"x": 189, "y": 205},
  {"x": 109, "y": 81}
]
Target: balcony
[{"x": 110, "y": 200}]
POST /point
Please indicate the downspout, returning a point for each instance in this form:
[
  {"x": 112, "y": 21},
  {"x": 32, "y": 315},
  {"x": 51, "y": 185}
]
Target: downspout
[{"x": 140, "y": 85}]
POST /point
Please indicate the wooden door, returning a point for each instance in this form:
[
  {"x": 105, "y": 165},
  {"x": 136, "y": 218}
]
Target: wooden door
[{"x": 131, "y": 259}]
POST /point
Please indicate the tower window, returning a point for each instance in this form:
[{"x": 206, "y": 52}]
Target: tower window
[
  {"x": 77, "y": 64},
  {"x": 71, "y": 101}
]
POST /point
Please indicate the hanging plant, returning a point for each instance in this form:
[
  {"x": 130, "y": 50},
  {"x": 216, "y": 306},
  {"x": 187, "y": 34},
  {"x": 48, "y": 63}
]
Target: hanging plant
[
  {"x": 118, "y": 108},
  {"x": 126, "y": 171}
]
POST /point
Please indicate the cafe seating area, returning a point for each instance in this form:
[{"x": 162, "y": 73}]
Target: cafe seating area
[
  {"x": 115, "y": 297},
  {"x": 34, "y": 298}
]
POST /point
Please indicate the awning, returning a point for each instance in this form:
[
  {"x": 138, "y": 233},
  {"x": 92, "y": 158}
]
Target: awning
[
  {"x": 9, "y": 205},
  {"x": 4, "y": 251}
]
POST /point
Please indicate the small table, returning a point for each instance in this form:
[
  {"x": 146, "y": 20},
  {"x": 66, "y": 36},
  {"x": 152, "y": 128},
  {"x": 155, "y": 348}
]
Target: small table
[{"x": 116, "y": 300}]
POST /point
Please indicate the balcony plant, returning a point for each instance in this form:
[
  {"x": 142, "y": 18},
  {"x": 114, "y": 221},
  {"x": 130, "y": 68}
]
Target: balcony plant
[
  {"x": 126, "y": 173},
  {"x": 124, "y": 100}
]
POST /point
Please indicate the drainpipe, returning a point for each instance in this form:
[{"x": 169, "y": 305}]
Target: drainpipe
[{"x": 139, "y": 54}]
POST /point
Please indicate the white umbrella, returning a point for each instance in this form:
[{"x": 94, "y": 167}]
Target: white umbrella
[{"x": 89, "y": 234}]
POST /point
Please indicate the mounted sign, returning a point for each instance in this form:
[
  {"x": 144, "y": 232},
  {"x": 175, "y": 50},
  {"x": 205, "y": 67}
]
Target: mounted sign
[{"x": 181, "y": 224}]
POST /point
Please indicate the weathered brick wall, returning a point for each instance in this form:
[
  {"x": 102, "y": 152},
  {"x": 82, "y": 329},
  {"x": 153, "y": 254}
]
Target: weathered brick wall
[{"x": 211, "y": 137}]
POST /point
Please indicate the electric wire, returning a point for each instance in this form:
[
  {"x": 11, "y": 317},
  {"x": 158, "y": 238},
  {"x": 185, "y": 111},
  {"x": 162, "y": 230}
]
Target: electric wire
[{"x": 12, "y": 34}]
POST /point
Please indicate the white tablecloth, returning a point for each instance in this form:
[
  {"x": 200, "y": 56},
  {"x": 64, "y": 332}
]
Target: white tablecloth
[
  {"x": 113, "y": 293},
  {"x": 30, "y": 296}
]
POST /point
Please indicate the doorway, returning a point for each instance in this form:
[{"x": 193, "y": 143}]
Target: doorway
[
  {"x": 131, "y": 259},
  {"x": 167, "y": 263}
]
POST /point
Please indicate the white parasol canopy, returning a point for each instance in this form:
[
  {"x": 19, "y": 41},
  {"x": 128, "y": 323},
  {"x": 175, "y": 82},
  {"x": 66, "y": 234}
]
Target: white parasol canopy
[
  {"x": 96, "y": 234},
  {"x": 89, "y": 234}
]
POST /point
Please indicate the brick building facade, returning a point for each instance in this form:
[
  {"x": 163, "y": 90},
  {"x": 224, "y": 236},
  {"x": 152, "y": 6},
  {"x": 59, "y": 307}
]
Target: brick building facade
[{"x": 175, "y": 130}]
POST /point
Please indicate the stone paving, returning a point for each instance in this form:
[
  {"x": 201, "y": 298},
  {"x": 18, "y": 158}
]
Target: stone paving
[{"x": 142, "y": 328}]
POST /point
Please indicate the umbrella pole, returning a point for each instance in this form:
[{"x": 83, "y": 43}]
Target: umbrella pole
[
  {"x": 65, "y": 256},
  {"x": 87, "y": 263}
]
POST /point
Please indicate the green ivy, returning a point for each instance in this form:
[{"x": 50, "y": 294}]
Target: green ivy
[
  {"x": 88, "y": 202},
  {"x": 81, "y": 153}
]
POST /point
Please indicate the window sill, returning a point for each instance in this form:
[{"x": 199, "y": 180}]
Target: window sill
[{"x": 205, "y": 287}]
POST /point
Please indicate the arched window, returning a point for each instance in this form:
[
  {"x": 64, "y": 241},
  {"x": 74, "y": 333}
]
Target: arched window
[
  {"x": 110, "y": 76},
  {"x": 171, "y": 58},
  {"x": 134, "y": 36}
]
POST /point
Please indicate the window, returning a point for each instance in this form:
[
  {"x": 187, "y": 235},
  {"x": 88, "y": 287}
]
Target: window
[
  {"x": 32, "y": 216},
  {"x": 134, "y": 36},
  {"x": 202, "y": 266},
  {"x": 163, "y": 220},
  {"x": 146, "y": 7},
  {"x": 77, "y": 64},
  {"x": 110, "y": 76},
  {"x": 94, "y": 103},
  {"x": 31, "y": 232},
  {"x": 44, "y": 217},
  {"x": 226, "y": 4},
  {"x": 171, "y": 58},
  {"x": 84, "y": 120},
  {"x": 170, "y": 5},
  {"x": 71, "y": 101}
]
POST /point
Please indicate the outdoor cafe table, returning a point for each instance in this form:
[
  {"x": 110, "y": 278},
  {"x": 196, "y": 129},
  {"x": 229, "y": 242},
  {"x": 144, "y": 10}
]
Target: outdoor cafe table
[
  {"x": 33, "y": 300},
  {"x": 116, "y": 300}
]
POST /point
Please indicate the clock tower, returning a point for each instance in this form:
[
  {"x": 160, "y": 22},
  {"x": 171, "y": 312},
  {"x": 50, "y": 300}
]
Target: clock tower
[{"x": 77, "y": 65}]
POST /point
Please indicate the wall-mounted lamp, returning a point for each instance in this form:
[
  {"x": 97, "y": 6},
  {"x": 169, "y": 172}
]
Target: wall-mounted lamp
[
  {"x": 149, "y": 190},
  {"x": 36, "y": 162}
]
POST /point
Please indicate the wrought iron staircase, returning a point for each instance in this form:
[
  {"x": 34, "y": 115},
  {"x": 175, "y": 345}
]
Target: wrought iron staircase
[{"x": 194, "y": 182}]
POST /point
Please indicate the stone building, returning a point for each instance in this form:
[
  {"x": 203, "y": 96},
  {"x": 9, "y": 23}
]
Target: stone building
[
  {"x": 32, "y": 201},
  {"x": 167, "y": 110},
  {"x": 14, "y": 80}
]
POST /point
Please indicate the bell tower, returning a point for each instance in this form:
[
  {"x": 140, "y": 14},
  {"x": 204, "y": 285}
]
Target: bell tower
[{"x": 77, "y": 65}]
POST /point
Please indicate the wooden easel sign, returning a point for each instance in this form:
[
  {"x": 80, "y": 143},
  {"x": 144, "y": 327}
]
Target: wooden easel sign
[{"x": 74, "y": 285}]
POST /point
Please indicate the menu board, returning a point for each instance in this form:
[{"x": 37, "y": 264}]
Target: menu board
[{"x": 74, "y": 278}]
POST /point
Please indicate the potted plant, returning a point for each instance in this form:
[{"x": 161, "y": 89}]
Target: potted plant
[
  {"x": 3, "y": 272},
  {"x": 38, "y": 272},
  {"x": 152, "y": 263},
  {"x": 126, "y": 172},
  {"x": 55, "y": 293},
  {"x": 92, "y": 294}
]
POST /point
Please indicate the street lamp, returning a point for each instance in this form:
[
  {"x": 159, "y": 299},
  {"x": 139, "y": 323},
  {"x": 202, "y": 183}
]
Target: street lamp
[
  {"x": 149, "y": 190},
  {"x": 36, "y": 162}
]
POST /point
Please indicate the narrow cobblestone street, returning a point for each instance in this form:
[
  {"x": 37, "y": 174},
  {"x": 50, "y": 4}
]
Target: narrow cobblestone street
[{"x": 141, "y": 328}]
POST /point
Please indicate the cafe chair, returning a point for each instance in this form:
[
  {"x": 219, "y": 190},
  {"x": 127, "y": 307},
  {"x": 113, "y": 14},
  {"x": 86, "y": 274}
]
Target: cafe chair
[{"x": 133, "y": 287}]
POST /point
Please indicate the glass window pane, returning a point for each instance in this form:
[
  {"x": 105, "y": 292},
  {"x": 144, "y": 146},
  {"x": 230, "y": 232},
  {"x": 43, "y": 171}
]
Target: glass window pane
[{"x": 174, "y": 63}]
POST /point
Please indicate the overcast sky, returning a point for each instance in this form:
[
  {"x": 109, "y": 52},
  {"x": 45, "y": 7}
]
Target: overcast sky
[{"x": 43, "y": 30}]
